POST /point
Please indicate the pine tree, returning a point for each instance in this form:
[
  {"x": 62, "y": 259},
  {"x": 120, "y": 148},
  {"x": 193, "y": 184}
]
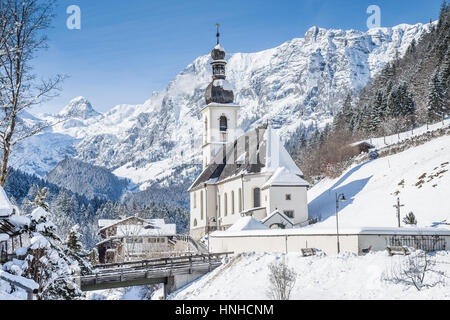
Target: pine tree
[
  {"x": 73, "y": 241},
  {"x": 436, "y": 99},
  {"x": 410, "y": 219},
  {"x": 49, "y": 263},
  {"x": 39, "y": 200}
]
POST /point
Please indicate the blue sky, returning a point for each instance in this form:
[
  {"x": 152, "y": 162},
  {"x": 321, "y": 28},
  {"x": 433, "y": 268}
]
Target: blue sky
[{"x": 125, "y": 50}]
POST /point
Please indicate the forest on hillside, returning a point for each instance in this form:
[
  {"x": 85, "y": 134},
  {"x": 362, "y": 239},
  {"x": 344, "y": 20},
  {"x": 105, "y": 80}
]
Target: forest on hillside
[{"x": 411, "y": 91}]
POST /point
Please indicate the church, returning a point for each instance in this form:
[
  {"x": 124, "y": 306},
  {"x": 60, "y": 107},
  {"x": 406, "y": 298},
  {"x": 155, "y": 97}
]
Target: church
[{"x": 249, "y": 174}]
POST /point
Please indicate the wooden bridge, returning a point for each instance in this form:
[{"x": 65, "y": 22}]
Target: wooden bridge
[{"x": 174, "y": 273}]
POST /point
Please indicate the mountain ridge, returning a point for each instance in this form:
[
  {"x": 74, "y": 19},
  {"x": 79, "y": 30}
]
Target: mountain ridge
[{"x": 298, "y": 86}]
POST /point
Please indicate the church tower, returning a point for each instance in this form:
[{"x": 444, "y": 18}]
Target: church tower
[{"x": 220, "y": 115}]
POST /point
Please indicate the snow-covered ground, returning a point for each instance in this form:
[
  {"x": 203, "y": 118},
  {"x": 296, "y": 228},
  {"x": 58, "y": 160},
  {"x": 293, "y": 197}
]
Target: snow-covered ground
[
  {"x": 419, "y": 176},
  {"x": 343, "y": 277}
]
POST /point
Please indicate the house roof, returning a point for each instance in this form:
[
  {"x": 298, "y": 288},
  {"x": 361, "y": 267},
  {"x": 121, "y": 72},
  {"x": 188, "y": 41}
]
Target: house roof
[
  {"x": 6, "y": 208},
  {"x": 277, "y": 213},
  {"x": 257, "y": 151},
  {"x": 150, "y": 227},
  {"x": 283, "y": 177}
]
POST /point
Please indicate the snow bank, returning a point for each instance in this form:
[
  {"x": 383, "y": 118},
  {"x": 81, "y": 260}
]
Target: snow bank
[
  {"x": 246, "y": 223},
  {"x": 343, "y": 277}
]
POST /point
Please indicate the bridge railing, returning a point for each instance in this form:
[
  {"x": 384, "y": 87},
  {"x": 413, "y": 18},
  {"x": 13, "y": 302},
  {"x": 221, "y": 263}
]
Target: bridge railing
[{"x": 163, "y": 261}]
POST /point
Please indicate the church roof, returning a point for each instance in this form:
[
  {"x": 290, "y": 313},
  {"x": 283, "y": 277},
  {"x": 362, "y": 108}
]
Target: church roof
[{"x": 257, "y": 151}]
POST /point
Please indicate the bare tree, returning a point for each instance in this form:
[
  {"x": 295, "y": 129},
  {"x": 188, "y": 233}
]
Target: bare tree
[
  {"x": 416, "y": 270},
  {"x": 22, "y": 27},
  {"x": 281, "y": 280}
]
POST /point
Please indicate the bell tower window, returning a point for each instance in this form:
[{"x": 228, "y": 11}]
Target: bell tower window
[{"x": 223, "y": 124}]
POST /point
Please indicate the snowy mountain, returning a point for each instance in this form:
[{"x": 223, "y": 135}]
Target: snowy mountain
[
  {"x": 79, "y": 108},
  {"x": 296, "y": 86}
]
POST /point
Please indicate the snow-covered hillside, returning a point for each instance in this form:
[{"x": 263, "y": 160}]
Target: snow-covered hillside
[
  {"x": 296, "y": 85},
  {"x": 419, "y": 176},
  {"x": 343, "y": 277}
]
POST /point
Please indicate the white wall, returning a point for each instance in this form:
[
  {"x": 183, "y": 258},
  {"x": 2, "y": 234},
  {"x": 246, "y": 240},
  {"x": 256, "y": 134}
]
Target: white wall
[
  {"x": 354, "y": 243},
  {"x": 298, "y": 202}
]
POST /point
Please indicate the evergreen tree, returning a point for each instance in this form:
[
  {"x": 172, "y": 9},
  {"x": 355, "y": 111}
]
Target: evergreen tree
[
  {"x": 436, "y": 99},
  {"x": 73, "y": 241},
  {"x": 49, "y": 263},
  {"x": 39, "y": 200},
  {"x": 410, "y": 219}
]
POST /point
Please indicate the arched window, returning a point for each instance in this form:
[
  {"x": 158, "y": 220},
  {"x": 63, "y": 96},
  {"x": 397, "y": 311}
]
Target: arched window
[
  {"x": 223, "y": 124},
  {"x": 240, "y": 200},
  {"x": 195, "y": 222},
  {"x": 256, "y": 197},
  {"x": 206, "y": 130},
  {"x": 232, "y": 203},
  {"x": 225, "y": 204},
  {"x": 218, "y": 205},
  {"x": 201, "y": 205},
  {"x": 195, "y": 200}
]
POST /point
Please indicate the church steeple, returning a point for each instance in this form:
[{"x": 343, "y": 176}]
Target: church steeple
[
  {"x": 219, "y": 91},
  {"x": 220, "y": 115}
]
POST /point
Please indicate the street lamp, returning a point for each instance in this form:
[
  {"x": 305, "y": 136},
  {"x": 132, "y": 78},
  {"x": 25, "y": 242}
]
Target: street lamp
[{"x": 339, "y": 198}]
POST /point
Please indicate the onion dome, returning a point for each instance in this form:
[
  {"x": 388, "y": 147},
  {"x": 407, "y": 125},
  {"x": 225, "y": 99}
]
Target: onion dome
[
  {"x": 219, "y": 90},
  {"x": 218, "y": 53}
]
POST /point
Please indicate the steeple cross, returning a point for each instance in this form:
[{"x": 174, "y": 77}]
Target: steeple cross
[{"x": 218, "y": 33}]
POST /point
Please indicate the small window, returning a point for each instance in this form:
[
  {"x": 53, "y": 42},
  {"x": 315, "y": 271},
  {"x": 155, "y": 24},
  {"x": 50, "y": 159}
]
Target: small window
[
  {"x": 288, "y": 197},
  {"x": 289, "y": 214},
  {"x": 195, "y": 222},
  {"x": 223, "y": 124},
  {"x": 256, "y": 197}
]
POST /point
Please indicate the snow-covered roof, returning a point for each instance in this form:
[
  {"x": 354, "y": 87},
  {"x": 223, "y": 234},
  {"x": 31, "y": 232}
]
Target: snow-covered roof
[
  {"x": 277, "y": 155},
  {"x": 277, "y": 213},
  {"x": 4, "y": 237},
  {"x": 247, "y": 223},
  {"x": 257, "y": 151},
  {"x": 6, "y": 208},
  {"x": 150, "y": 227},
  {"x": 283, "y": 177}
]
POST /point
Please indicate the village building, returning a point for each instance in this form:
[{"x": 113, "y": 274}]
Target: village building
[
  {"x": 249, "y": 174},
  {"x": 10, "y": 222},
  {"x": 134, "y": 238}
]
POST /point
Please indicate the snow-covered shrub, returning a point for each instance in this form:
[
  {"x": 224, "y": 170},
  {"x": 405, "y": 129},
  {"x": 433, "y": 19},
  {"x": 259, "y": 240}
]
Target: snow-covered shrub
[{"x": 281, "y": 280}]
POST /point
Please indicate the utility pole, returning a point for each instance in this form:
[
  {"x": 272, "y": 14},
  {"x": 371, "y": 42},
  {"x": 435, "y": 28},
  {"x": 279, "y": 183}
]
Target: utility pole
[{"x": 398, "y": 207}]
